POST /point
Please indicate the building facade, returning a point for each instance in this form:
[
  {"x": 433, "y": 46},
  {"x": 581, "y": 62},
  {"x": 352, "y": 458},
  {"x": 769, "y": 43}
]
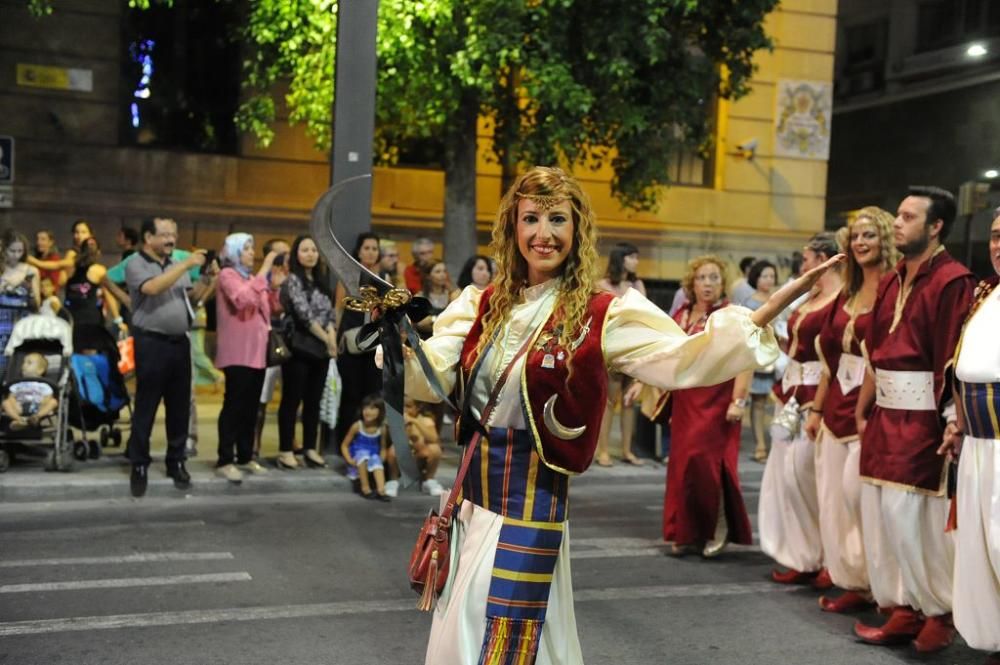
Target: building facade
[{"x": 72, "y": 91}]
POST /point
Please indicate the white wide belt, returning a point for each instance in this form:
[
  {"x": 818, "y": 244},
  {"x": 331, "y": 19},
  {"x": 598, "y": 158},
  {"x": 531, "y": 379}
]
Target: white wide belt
[
  {"x": 850, "y": 372},
  {"x": 910, "y": 391},
  {"x": 801, "y": 374}
]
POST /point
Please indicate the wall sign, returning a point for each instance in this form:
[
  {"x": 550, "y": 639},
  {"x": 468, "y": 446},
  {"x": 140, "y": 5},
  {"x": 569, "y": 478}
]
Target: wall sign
[{"x": 803, "y": 116}]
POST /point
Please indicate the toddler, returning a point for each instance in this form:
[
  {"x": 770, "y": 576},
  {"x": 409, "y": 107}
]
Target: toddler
[
  {"x": 29, "y": 401},
  {"x": 364, "y": 446}
]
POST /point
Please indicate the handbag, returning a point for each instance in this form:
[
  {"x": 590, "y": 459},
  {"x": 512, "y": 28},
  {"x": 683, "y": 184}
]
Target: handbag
[
  {"x": 277, "y": 351},
  {"x": 430, "y": 558},
  {"x": 304, "y": 343}
]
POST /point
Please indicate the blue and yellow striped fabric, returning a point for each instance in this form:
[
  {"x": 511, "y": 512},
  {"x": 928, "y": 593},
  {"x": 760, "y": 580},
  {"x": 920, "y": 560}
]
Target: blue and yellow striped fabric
[
  {"x": 981, "y": 402},
  {"x": 507, "y": 477}
]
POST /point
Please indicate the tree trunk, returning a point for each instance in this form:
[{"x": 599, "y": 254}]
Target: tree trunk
[{"x": 460, "y": 188}]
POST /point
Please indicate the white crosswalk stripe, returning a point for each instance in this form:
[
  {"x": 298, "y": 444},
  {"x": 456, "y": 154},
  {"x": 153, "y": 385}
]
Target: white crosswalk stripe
[
  {"x": 150, "y": 557},
  {"x": 126, "y": 582}
]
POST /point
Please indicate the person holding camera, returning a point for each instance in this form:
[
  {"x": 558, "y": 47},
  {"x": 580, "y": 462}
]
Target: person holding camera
[
  {"x": 243, "y": 315},
  {"x": 160, "y": 288}
]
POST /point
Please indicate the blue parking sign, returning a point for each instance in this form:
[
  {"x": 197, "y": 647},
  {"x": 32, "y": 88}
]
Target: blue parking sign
[{"x": 6, "y": 160}]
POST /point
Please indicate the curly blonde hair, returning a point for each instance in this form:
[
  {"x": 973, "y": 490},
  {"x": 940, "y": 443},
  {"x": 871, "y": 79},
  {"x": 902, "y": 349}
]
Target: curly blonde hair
[
  {"x": 546, "y": 184},
  {"x": 882, "y": 220},
  {"x": 696, "y": 264}
]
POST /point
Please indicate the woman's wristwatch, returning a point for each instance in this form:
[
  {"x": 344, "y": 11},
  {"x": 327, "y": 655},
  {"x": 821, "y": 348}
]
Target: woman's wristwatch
[{"x": 740, "y": 402}]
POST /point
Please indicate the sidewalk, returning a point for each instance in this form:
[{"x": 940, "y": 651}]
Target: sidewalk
[{"x": 107, "y": 477}]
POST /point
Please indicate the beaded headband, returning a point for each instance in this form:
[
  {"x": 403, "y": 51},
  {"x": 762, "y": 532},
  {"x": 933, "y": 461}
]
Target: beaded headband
[{"x": 544, "y": 202}]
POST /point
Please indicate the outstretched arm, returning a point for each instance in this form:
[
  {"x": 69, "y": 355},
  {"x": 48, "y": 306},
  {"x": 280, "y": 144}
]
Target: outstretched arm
[{"x": 788, "y": 293}]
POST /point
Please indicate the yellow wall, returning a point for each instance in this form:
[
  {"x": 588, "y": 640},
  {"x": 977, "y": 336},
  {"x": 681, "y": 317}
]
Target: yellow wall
[{"x": 764, "y": 207}]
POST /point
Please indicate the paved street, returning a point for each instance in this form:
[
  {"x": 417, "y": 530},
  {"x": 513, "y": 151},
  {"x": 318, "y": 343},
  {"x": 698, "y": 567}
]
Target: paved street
[{"x": 319, "y": 577}]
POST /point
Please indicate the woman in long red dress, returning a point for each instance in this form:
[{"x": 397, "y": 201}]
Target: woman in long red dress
[{"x": 704, "y": 508}]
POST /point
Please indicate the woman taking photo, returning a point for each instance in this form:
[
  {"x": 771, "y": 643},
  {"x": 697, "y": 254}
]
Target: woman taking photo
[
  {"x": 243, "y": 306},
  {"x": 543, "y": 324},
  {"x": 619, "y": 278},
  {"x": 704, "y": 509},
  {"x": 19, "y": 287},
  {"x": 305, "y": 297},
  {"x": 88, "y": 299},
  {"x": 763, "y": 277}
]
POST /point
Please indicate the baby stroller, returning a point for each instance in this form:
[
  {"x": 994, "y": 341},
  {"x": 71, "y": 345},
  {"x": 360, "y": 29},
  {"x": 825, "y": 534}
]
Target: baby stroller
[
  {"x": 53, "y": 339},
  {"x": 99, "y": 397}
]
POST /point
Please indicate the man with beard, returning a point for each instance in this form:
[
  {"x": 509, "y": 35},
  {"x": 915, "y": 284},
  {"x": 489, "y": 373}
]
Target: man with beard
[
  {"x": 161, "y": 318},
  {"x": 916, "y": 323},
  {"x": 977, "y": 539}
]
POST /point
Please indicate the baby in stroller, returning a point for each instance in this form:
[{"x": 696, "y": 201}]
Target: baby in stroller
[{"x": 31, "y": 398}]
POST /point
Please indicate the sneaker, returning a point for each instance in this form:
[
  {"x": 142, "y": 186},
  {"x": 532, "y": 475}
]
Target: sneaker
[
  {"x": 392, "y": 488},
  {"x": 432, "y": 487},
  {"x": 253, "y": 467},
  {"x": 180, "y": 475},
  {"x": 230, "y": 473},
  {"x": 139, "y": 480}
]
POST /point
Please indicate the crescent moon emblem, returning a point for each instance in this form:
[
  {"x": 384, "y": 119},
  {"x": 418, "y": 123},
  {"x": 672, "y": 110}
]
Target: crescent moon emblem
[{"x": 556, "y": 427}]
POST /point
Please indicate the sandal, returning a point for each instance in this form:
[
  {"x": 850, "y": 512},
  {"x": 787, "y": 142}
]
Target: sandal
[{"x": 633, "y": 460}]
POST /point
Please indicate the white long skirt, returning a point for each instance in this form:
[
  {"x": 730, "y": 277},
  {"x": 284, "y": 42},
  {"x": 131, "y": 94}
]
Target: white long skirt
[
  {"x": 977, "y": 544},
  {"x": 460, "y": 618},
  {"x": 838, "y": 483},
  {"x": 788, "y": 514},
  {"x": 910, "y": 557}
]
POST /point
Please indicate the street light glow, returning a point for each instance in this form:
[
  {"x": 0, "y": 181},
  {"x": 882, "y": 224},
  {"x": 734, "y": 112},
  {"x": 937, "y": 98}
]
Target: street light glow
[
  {"x": 992, "y": 173},
  {"x": 976, "y": 51}
]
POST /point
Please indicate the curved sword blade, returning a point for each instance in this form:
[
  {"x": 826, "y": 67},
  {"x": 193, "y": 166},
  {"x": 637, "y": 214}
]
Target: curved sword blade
[{"x": 352, "y": 274}]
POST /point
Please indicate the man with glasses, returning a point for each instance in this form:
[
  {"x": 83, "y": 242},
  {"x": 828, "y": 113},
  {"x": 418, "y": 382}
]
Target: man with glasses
[{"x": 159, "y": 288}]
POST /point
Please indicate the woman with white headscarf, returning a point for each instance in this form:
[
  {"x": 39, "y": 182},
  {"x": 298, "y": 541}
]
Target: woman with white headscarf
[{"x": 243, "y": 318}]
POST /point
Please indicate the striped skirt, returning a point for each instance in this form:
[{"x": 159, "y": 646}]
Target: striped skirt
[{"x": 509, "y": 599}]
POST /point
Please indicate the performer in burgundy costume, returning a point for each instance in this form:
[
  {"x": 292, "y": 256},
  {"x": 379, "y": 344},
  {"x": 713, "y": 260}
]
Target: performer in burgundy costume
[
  {"x": 703, "y": 508},
  {"x": 916, "y": 322},
  {"x": 831, "y": 422},
  {"x": 788, "y": 515}
]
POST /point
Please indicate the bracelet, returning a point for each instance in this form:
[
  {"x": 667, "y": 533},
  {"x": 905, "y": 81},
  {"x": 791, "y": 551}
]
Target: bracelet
[
  {"x": 815, "y": 410},
  {"x": 118, "y": 320},
  {"x": 740, "y": 402}
]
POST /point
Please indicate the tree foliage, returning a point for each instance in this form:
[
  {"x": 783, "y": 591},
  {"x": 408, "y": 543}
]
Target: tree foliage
[{"x": 578, "y": 81}]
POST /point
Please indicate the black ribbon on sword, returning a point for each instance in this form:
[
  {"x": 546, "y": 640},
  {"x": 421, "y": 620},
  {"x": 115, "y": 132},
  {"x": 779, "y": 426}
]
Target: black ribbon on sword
[{"x": 388, "y": 311}]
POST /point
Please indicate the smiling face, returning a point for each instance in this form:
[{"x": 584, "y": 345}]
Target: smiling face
[
  {"x": 162, "y": 243},
  {"x": 865, "y": 243},
  {"x": 544, "y": 238},
  {"x": 371, "y": 414},
  {"x": 708, "y": 284}
]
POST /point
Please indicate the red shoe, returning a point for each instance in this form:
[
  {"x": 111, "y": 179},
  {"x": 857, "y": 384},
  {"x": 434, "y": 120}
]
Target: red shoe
[
  {"x": 792, "y": 576},
  {"x": 938, "y": 632},
  {"x": 822, "y": 581},
  {"x": 904, "y": 624},
  {"x": 849, "y": 601}
]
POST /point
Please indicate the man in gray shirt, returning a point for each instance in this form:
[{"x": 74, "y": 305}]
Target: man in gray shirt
[{"x": 161, "y": 317}]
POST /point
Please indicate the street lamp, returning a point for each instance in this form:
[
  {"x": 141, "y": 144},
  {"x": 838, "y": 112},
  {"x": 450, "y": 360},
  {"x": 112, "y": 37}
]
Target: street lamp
[
  {"x": 991, "y": 173},
  {"x": 976, "y": 51}
]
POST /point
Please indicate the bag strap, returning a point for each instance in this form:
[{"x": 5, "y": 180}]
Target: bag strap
[{"x": 444, "y": 519}]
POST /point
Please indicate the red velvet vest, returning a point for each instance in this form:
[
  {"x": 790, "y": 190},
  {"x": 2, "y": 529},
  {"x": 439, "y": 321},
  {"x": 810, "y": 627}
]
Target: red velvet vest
[{"x": 577, "y": 399}]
